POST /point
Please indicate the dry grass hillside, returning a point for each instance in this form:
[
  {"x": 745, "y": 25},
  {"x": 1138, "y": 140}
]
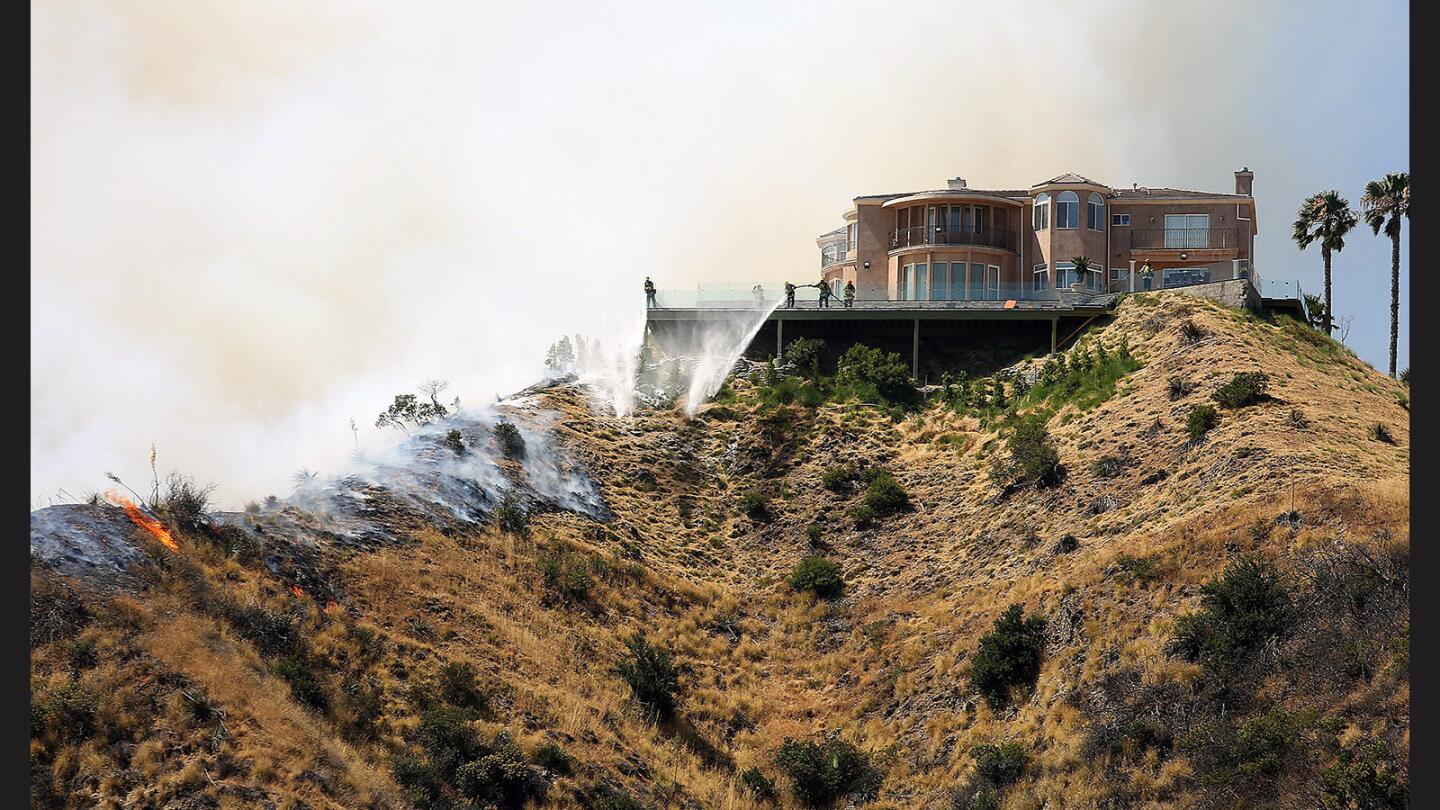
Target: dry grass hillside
[{"x": 217, "y": 684}]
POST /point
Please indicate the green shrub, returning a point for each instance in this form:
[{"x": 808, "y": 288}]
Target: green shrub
[
  {"x": 455, "y": 442},
  {"x": 1008, "y": 656},
  {"x": 512, "y": 444},
  {"x": 758, "y": 784},
  {"x": 652, "y": 678},
  {"x": 818, "y": 575},
  {"x": 553, "y": 758},
  {"x": 999, "y": 765},
  {"x": 304, "y": 688},
  {"x": 566, "y": 573},
  {"x": 511, "y": 517},
  {"x": 456, "y": 686},
  {"x": 804, "y": 355},
  {"x": 754, "y": 504},
  {"x": 1199, "y": 421},
  {"x": 870, "y": 375},
  {"x": 840, "y": 478},
  {"x": 500, "y": 778},
  {"x": 862, "y": 515},
  {"x": 821, "y": 773},
  {"x": 1365, "y": 778},
  {"x": 1245, "y": 388},
  {"x": 1239, "y": 612},
  {"x": 185, "y": 502},
  {"x": 814, "y": 534},
  {"x": 883, "y": 494},
  {"x": 1033, "y": 458}
]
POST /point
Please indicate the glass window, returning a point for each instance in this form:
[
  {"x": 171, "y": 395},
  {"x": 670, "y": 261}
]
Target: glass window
[
  {"x": 1185, "y": 276},
  {"x": 977, "y": 282},
  {"x": 922, "y": 291},
  {"x": 1067, "y": 210},
  {"x": 1041, "y": 280},
  {"x": 852, "y": 233},
  {"x": 1095, "y": 279},
  {"x": 979, "y": 218},
  {"x": 1187, "y": 230},
  {"x": 904, "y": 283},
  {"x": 1042, "y": 212},
  {"x": 1095, "y": 213},
  {"x": 939, "y": 281},
  {"x": 957, "y": 281},
  {"x": 1065, "y": 275},
  {"x": 1120, "y": 219},
  {"x": 992, "y": 283}
]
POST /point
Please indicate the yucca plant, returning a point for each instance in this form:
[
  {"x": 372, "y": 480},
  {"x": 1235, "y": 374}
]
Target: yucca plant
[
  {"x": 1386, "y": 203},
  {"x": 1325, "y": 218}
]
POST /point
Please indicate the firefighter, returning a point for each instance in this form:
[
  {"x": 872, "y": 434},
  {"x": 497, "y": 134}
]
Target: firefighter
[
  {"x": 825, "y": 293},
  {"x": 789, "y": 295},
  {"x": 849, "y": 294},
  {"x": 759, "y": 293},
  {"x": 650, "y": 294}
]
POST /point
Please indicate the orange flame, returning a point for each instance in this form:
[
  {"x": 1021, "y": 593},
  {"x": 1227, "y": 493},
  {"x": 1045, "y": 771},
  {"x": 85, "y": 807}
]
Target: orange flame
[
  {"x": 144, "y": 521},
  {"x": 295, "y": 589}
]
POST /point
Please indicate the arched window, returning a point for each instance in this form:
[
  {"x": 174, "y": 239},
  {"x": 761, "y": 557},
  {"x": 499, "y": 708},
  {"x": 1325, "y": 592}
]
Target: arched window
[
  {"x": 1067, "y": 210},
  {"x": 1095, "y": 213},
  {"x": 1042, "y": 212}
]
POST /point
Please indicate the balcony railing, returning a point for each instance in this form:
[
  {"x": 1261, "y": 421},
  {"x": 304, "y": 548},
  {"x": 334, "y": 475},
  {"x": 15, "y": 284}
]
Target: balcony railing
[
  {"x": 827, "y": 260},
  {"x": 1185, "y": 238},
  {"x": 925, "y": 235}
]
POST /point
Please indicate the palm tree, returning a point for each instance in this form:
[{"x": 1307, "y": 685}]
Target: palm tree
[
  {"x": 1082, "y": 264},
  {"x": 1385, "y": 203},
  {"x": 1325, "y": 218}
]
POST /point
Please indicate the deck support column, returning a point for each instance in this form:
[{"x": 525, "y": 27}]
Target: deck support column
[
  {"x": 779, "y": 338},
  {"x": 915, "y": 352},
  {"x": 1054, "y": 328}
]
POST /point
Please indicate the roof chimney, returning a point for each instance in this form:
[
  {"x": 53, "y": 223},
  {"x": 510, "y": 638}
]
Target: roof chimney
[
  {"x": 958, "y": 182},
  {"x": 1244, "y": 181}
]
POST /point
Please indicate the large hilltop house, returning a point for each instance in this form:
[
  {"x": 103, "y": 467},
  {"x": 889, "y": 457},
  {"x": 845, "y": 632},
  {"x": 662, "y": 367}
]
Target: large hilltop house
[{"x": 967, "y": 244}]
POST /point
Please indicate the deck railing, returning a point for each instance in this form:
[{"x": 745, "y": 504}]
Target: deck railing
[{"x": 926, "y": 235}]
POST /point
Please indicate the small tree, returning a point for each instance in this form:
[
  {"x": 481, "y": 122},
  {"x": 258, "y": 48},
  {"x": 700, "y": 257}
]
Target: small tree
[
  {"x": 1245, "y": 388},
  {"x": 817, "y": 575},
  {"x": 804, "y": 355},
  {"x": 821, "y": 773},
  {"x": 1200, "y": 420},
  {"x": 1033, "y": 457},
  {"x": 1008, "y": 656},
  {"x": 561, "y": 356},
  {"x": 652, "y": 678},
  {"x": 512, "y": 444},
  {"x": 870, "y": 374}
]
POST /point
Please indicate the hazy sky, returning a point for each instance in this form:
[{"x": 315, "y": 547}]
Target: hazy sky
[{"x": 254, "y": 221}]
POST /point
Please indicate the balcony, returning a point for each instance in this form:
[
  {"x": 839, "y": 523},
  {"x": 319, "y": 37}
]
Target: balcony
[
  {"x": 830, "y": 260},
  {"x": 927, "y": 236},
  {"x": 1185, "y": 239}
]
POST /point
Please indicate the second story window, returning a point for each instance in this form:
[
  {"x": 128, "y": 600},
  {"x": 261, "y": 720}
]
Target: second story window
[
  {"x": 1042, "y": 212},
  {"x": 1095, "y": 213},
  {"x": 827, "y": 256},
  {"x": 1119, "y": 219},
  {"x": 1067, "y": 210},
  {"x": 853, "y": 233}
]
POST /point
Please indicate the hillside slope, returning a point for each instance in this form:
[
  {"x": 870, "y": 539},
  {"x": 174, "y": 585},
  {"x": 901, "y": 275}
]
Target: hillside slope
[{"x": 345, "y": 674}]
